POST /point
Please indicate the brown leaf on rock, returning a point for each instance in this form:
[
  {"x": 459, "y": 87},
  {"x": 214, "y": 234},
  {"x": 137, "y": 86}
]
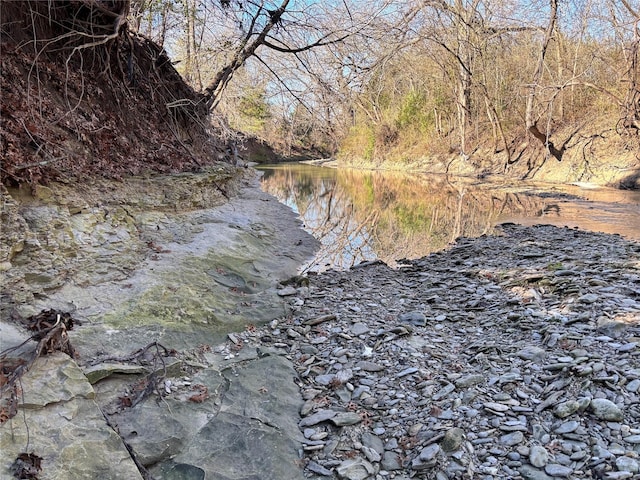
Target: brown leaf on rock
[
  {"x": 27, "y": 466},
  {"x": 201, "y": 396},
  {"x": 8, "y": 367},
  {"x": 9, "y": 406}
]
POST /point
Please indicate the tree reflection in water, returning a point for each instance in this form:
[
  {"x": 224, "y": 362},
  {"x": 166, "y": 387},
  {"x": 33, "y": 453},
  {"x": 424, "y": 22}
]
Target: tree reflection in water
[
  {"x": 328, "y": 212},
  {"x": 363, "y": 215}
]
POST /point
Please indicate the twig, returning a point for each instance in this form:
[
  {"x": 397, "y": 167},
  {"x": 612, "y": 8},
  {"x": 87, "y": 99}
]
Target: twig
[
  {"x": 148, "y": 389},
  {"x": 133, "y": 356},
  {"x": 141, "y": 468}
]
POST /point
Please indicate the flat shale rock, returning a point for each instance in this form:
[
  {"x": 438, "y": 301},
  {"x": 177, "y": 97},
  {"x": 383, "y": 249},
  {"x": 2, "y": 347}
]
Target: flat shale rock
[
  {"x": 510, "y": 357},
  {"x": 61, "y": 422},
  {"x": 246, "y": 428}
]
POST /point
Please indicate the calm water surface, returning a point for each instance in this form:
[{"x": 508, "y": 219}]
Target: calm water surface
[{"x": 359, "y": 216}]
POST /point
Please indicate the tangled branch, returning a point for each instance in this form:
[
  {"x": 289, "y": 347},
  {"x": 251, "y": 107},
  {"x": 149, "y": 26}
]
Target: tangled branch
[{"x": 50, "y": 329}]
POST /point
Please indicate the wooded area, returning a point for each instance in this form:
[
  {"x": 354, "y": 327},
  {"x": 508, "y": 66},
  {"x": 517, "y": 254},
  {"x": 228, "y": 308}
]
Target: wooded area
[
  {"x": 401, "y": 76},
  {"x": 382, "y": 79}
]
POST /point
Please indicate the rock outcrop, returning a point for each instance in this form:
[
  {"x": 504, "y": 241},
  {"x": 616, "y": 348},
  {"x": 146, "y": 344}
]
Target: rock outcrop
[
  {"x": 166, "y": 260},
  {"x": 60, "y": 421}
]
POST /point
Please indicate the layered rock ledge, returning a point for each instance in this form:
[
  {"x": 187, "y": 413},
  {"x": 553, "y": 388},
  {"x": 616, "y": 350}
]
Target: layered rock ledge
[{"x": 162, "y": 261}]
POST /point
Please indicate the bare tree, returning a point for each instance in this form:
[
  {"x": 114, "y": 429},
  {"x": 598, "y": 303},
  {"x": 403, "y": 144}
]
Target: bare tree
[
  {"x": 530, "y": 120},
  {"x": 284, "y": 27},
  {"x": 632, "y": 101}
]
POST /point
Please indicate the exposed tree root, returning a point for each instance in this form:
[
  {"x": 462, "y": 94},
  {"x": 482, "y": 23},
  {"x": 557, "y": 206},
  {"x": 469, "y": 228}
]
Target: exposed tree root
[{"x": 83, "y": 97}]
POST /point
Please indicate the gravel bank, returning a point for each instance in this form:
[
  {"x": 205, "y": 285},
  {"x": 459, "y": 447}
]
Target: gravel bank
[{"x": 508, "y": 356}]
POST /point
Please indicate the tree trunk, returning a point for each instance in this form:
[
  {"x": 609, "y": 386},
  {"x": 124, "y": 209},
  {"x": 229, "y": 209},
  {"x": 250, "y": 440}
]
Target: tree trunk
[
  {"x": 163, "y": 30},
  {"x": 632, "y": 103},
  {"x": 531, "y": 122},
  {"x": 195, "y": 48},
  {"x": 246, "y": 50},
  {"x": 464, "y": 106},
  {"x": 559, "y": 57},
  {"x": 187, "y": 54},
  {"x": 465, "y": 55}
]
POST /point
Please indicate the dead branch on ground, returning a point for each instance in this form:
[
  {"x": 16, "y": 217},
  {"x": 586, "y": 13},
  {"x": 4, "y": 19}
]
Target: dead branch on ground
[{"x": 50, "y": 329}]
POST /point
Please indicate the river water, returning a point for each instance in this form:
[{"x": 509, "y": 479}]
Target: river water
[{"x": 363, "y": 215}]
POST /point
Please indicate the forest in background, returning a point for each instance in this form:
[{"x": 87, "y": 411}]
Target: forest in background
[{"x": 498, "y": 86}]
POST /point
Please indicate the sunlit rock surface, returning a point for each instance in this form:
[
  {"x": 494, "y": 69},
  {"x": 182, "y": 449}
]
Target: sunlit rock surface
[
  {"x": 158, "y": 258},
  {"x": 168, "y": 260}
]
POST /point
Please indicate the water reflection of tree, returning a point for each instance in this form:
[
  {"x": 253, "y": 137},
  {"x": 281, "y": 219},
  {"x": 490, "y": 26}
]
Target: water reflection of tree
[
  {"x": 329, "y": 213},
  {"x": 422, "y": 214},
  {"x": 365, "y": 215}
]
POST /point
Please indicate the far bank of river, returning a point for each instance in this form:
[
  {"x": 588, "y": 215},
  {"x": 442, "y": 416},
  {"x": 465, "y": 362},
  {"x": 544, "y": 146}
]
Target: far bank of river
[{"x": 365, "y": 215}]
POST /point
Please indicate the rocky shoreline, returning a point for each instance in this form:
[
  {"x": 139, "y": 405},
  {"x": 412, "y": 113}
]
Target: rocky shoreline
[
  {"x": 164, "y": 266},
  {"x": 504, "y": 357},
  {"x": 511, "y": 356}
]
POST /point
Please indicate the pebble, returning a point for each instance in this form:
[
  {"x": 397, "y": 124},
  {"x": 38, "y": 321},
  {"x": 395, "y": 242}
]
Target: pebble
[
  {"x": 287, "y": 291},
  {"x": 372, "y": 441},
  {"x": 512, "y": 439},
  {"x": 567, "y": 427},
  {"x": 478, "y": 359},
  {"x": 496, "y": 407},
  {"x": 606, "y": 409},
  {"x": 618, "y": 475},
  {"x": 530, "y": 473},
  {"x": 556, "y": 470},
  {"x": 316, "y": 418},
  {"x": 319, "y": 469},
  {"x": 443, "y": 392},
  {"x": 325, "y": 379},
  {"x": 429, "y": 453},
  {"x": 632, "y": 439},
  {"x": 391, "y": 461},
  {"x": 627, "y": 464},
  {"x": 469, "y": 381},
  {"x": 346, "y": 418},
  {"x": 413, "y": 318},
  {"x": 452, "y": 439},
  {"x": 531, "y": 352},
  {"x": 359, "y": 328},
  {"x": 407, "y": 371},
  {"x": 355, "y": 469},
  {"x": 566, "y": 409},
  {"x": 588, "y": 298},
  {"x": 371, "y": 454},
  {"x": 368, "y": 366},
  {"x": 539, "y": 456}
]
